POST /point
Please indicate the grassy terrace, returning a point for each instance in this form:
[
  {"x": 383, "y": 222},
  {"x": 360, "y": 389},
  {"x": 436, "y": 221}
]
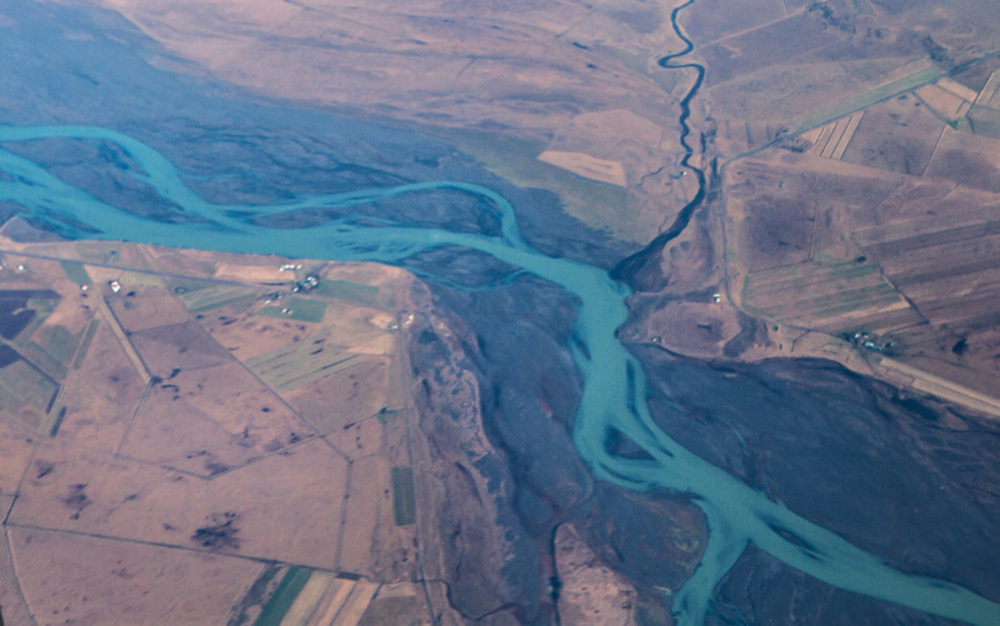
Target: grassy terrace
[{"x": 76, "y": 272}]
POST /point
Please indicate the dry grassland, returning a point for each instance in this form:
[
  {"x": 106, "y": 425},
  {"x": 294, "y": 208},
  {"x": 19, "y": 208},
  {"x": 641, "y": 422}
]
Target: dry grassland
[
  {"x": 201, "y": 461},
  {"x": 399, "y": 604},
  {"x": 368, "y": 518},
  {"x": 967, "y": 160},
  {"x": 484, "y": 62},
  {"x": 803, "y": 66},
  {"x": 591, "y": 592},
  {"x": 285, "y": 507},
  {"x": 88, "y": 580},
  {"x": 15, "y": 453},
  {"x": 15, "y": 611},
  {"x": 358, "y": 439},
  {"x": 601, "y": 170},
  {"x": 208, "y": 420},
  {"x": 898, "y": 135},
  {"x": 102, "y": 395},
  {"x": 720, "y": 19},
  {"x": 149, "y": 307}
]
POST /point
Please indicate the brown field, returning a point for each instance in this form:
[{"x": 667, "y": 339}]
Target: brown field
[
  {"x": 833, "y": 298},
  {"x": 399, "y": 604},
  {"x": 953, "y": 86},
  {"x": 183, "y": 346}
]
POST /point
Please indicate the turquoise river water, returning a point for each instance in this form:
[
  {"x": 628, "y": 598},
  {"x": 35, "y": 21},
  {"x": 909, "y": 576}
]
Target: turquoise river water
[{"x": 614, "y": 386}]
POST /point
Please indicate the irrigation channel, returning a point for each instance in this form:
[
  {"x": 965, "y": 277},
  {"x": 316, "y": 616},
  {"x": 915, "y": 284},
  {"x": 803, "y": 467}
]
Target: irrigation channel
[{"x": 614, "y": 393}]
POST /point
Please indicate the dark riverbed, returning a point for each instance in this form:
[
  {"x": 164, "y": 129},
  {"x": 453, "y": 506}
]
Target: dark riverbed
[{"x": 907, "y": 479}]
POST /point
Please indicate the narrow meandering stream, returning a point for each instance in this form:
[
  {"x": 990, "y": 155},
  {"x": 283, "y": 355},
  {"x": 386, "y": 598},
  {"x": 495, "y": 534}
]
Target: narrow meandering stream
[{"x": 614, "y": 385}]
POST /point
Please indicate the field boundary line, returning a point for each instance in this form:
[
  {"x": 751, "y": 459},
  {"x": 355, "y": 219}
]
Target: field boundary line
[
  {"x": 17, "y": 579},
  {"x": 171, "y": 546}
]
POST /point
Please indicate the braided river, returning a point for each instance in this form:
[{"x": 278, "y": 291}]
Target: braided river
[{"x": 614, "y": 393}]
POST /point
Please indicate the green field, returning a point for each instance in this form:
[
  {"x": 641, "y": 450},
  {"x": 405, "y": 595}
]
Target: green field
[
  {"x": 213, "y": 297},
  {"x": 298, "y": 309},
  {"x": 43, "y": 308},
  {"x": 367, "y": 295},
  {"x": 58, "y": 341},
  {"x": 22, "y": 383},
  {"x": 284, "y": 596},
  {"x": 107, "y": 253},
  {"x": 88, "y": 336},
  {"x": 57, "y": 422},
  {"x": 404, "y": 505},
  {"x": 46, "y": 361},
  {"x": 76, "y": 272}
]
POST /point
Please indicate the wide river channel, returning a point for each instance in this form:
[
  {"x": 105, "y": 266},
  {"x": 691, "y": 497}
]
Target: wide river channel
[{"x": 614, "y": 393}]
